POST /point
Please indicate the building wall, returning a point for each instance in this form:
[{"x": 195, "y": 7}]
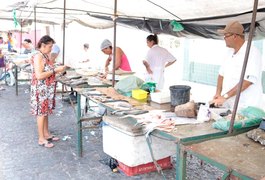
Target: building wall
[{"x": 207, "y": 73}]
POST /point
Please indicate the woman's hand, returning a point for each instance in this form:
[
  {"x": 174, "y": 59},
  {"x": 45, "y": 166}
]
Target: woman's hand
[
  {"x": 60, "y": 69},
  {"x": 103, "y": 76}
]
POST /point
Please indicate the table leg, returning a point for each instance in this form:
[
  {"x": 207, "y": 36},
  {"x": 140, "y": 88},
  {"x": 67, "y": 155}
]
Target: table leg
[
  {"x": 5, "y": 75},
  {"x": 79, "y": 127},
  {"x": 181, "y": 158},
  {"x": 16, "y": 77}
]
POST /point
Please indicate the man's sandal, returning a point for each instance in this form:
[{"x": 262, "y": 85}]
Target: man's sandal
[
  {"x": 53, "y": 138},
  {"x": 47, "y": 144}
]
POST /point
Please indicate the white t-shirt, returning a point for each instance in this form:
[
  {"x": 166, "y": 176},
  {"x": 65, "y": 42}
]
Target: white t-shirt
[
  {"x": 157, "y": 57},
  {"x": 231, "y": 71}
]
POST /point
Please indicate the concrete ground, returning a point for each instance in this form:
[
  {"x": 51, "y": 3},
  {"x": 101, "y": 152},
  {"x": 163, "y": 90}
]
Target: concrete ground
[{"x": 21, "y": 158}]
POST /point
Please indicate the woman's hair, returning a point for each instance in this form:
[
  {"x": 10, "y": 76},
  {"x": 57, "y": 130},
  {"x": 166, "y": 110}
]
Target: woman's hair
[
  {"x": 45, "y": 40},
  {"x": 152, "y": 37}
]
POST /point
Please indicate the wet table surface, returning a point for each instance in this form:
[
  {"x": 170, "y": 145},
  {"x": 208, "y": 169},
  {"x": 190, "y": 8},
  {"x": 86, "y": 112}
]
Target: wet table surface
[
  {"x": 180, "y": 132},
  {"x": 193, "y": 130},
  {"x": 238, "y": 153}
]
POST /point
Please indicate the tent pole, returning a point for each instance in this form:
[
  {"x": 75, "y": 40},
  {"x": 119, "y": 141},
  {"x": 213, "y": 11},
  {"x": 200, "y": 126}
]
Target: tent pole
[
  {"x": 114, "y": 43},
  {"x": 21, "y": 21},
  {"x": 250, "y": 36},
  {"x": 35, "y": 27},
  {"x": 64, "y": 9}
]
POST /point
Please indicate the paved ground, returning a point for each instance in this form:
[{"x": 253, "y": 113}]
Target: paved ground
[{"x": 21, "y": 158}]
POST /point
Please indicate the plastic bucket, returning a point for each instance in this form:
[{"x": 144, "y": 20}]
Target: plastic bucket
[{"x": 179, "y": 94}]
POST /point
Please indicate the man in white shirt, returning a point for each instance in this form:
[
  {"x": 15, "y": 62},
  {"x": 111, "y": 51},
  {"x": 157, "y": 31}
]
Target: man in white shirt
[{"x": 230, "y": 71}]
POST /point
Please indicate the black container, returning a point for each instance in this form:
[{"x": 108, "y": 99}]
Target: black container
[{"x": 179, "y": 94}]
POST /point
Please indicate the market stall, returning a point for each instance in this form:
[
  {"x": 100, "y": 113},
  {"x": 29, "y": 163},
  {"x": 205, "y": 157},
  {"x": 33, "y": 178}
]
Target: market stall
[
  {"x": 81, "y": 81},
  {"x": 129, "y": 116},
  {"x": 19, "y": 67},
  {"x": 185, "y": 133}
]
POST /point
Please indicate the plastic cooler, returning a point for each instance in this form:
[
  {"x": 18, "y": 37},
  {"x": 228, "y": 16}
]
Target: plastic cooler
[{"x": 125, "y": 141}]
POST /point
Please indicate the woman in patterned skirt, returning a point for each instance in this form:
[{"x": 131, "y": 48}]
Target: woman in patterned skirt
[{"x": 43, "y": 89}]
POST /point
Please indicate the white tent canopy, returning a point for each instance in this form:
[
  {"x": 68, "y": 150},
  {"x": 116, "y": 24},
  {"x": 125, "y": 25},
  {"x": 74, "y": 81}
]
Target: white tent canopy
[{"x": 198, "y": 17}]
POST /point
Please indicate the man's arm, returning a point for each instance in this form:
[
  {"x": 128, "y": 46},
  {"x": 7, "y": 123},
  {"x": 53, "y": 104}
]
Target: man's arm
[
  {"x": 233, "y": 91},
  {"x": 219, "y": 87},
  {"x": 221, "y": 99}
]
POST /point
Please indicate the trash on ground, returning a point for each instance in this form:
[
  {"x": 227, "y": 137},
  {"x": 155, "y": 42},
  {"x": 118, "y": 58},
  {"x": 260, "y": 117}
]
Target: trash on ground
[
  {"x": 65, "y": 138},
  {"x": 92, "y": 133}
]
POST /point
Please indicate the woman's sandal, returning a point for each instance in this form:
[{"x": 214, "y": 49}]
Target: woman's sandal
[
  {"x": 47, "y": 144},
  {"x": 53, "y": 138}
]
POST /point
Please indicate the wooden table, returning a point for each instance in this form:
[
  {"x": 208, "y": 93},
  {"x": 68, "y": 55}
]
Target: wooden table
[
  {"x": 190, "y": 134},
  {"x": 237, "y": 155}
]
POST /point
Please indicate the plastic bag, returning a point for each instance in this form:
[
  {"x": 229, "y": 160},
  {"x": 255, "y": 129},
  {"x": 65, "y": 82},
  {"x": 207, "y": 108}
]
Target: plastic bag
[
  {"x": 126, "y": 85},
  {"x": 252, "y": 117},
  {"x": 204, "y": 113},
  {"x": 149, "y": 86}
]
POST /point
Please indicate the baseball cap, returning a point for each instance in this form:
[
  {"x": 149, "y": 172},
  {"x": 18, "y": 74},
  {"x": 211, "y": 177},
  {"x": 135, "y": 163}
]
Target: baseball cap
[
  {"x": 233, "y": 27},
  {"x": 106, "y": 43}
]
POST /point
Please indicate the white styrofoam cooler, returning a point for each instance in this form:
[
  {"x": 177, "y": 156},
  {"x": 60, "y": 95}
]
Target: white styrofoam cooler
[
  {"x": 133, "y": 150},
  {"x": 160, "y": 97}
]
